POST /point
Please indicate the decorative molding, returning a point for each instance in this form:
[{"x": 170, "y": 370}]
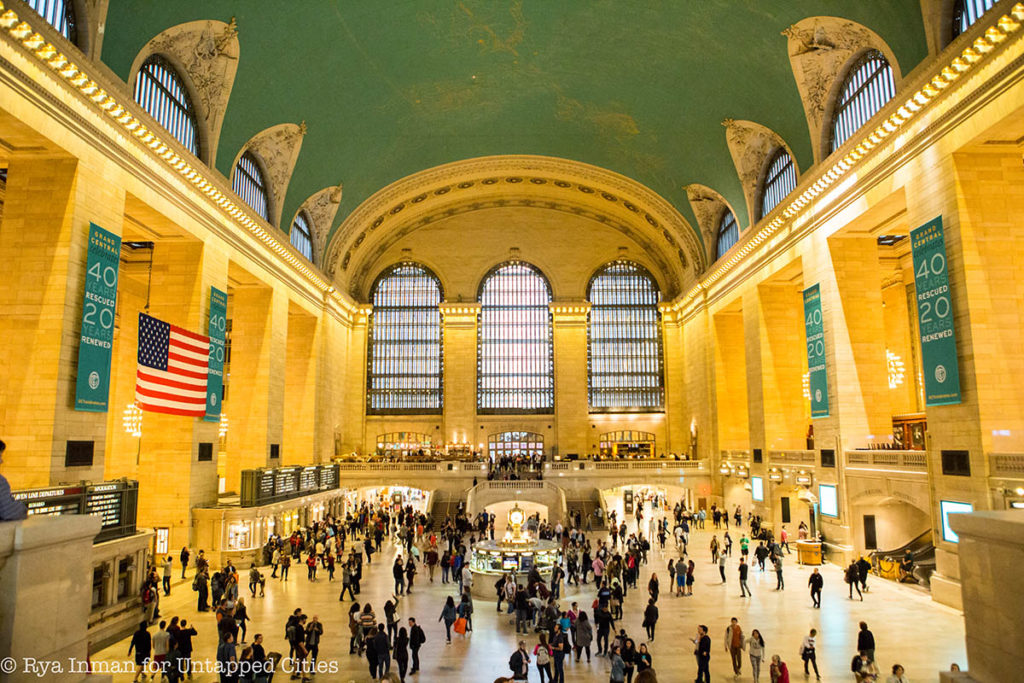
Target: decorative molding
[
  {"x": 205, "y": 53},
  {"x": 820, "y": 51},
  {"x": 321, "y": 207},
  {"x": 277, "y": 148},
  {"x": 751, "y": 145},
  {"x": 521, "y": 180},
  {"x": 707, "y": 205}
]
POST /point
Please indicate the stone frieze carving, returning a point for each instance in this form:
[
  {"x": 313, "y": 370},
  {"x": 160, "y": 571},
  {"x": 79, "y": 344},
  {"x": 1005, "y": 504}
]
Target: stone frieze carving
[
  {"x": 278, "y": 148},
  {"x": 322, "y": 207},
  {"x": 750, "y": 145}
]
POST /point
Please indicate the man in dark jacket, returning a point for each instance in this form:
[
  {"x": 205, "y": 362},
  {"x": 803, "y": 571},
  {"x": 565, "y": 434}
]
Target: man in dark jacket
[
  {"x": 863, "y": 567},
  {"x": 703, "y": 654},
  {"x": 142, "y": 643},
  {"x": 816, "y": 581},
  {"x": 382, "y": 648},
  {"x": 416, "y": 640},
  {"x": 866, "y": 641}
]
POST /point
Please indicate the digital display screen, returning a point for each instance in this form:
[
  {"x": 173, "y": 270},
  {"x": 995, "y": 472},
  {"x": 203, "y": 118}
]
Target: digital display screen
[
  {"x": 757, "y": 488},
  {"x": 828, "y": 499},
  {"x": 509, "y": 563},
  {"x": 952, "y": 507}
]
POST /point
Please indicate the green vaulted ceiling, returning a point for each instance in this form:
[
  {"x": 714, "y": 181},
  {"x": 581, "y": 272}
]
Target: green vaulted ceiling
[{"x": 388, "y": 88}]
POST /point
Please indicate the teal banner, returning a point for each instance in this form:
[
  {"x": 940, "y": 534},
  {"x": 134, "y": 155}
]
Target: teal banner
[
  {"x": 935, "y": 315},
  {"x": 815, "y": 329},
  {"x": 215, "y": 378},
  {"x": 92, "y": 387}
]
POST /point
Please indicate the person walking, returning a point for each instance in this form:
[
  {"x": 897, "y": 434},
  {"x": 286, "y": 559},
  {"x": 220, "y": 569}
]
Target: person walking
[
  {"x": 755, "y": 649},
  {"x": 604, "y": 621},
  {"x": 702, "y": 652},
  {"x": 448, "y": 615},
  {"x": 241, "y": 615},
  {"x": 201, "y": 584},
  {"x": 542, "y": 654},
  {"x": 734, "y": 644},
  {"x": 584, "y": 635},
  {"x": 721, "y": 566},
  {"x": 142, "y": 644},
  {"x": 382, "y": 649},
  {"x": 416, "y": 640},
  {"x": 650, "y": 619},
  {"x": 852, "y": 578},
  {"x": 314, "y": 632},
  {"x": 401, "y": 652},
  {"x": 779, "y": 583},
  {"x": 807, "y": 653},
  {"x": 863, "y": 569},
  {"x": 866, "y": 641},
  {"x": 816, "y": 581},
  {"x": 354, "y": 629},
  {"x": 744, "y": 569},
  {"x": 398, "y": 571},
  {"x": 183, "y": 557}
]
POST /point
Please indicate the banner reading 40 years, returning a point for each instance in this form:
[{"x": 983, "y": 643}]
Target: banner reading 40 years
[
  {"x": 935, "y": 315},
  {"x": 96, "y": 342}
]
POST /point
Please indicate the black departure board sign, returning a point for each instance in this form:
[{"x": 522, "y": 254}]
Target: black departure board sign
[
  {"x": 115, "y": 503},
  {"x": 265, "y": 486}
]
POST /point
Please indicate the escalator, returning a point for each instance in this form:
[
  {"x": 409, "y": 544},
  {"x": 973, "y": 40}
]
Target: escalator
[{"x": 886, "y": 563}]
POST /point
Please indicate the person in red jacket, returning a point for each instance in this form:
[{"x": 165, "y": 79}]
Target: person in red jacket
[{"x": 779, "y": 670}]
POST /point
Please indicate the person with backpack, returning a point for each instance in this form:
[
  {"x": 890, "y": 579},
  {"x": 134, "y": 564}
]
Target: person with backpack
[
  {"x": 852, "y": 578},
  {"x": 542, "y": 651},
  {"x": 519, "y": 663}
]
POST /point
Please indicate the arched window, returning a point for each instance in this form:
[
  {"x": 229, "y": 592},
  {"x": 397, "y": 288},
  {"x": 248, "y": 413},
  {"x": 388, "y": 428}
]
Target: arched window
[
  {"x": 624, "y": 360},
  {"x": 866, "y": 89},
  {"x": 60, "y": 14},
  {"x": 250, "y": 184},
  {"x": 515, "y": 366},
  {"x": 728, "y": 234},
  {"x": 529, "y": 445},
  {"x": 161, "y": 92},
  {"x": 779, "y": 181},
  {"x": 302, "y": 236},
  {"x": 405, "y": 363},
  {"x": 966, "y": 12}
]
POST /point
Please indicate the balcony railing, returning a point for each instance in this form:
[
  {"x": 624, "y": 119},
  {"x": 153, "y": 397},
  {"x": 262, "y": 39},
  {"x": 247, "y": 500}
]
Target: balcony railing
[
  {"x": 892, "y": 461},
  {"x": 1007, "y": 464},
  {"x": 794, "y": 457}
]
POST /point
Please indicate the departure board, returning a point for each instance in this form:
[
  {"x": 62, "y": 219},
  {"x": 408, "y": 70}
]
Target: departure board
[
  {"x": 309, "y": 479},
  {"x": 287, "y": 483},
  {"x": 115, "y": 503},
  {"x": 265, "y": 486}
]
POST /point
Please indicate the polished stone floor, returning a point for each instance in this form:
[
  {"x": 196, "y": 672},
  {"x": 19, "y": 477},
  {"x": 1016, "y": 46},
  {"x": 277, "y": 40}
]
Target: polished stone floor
[{"x": 909, "y": 628}]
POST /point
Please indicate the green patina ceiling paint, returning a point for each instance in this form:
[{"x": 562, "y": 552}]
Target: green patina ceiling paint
[{"x": 391, "y": 88}]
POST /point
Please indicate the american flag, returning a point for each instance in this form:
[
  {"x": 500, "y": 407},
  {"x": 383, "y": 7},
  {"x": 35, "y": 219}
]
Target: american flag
[{"x": 173, "y": 365}]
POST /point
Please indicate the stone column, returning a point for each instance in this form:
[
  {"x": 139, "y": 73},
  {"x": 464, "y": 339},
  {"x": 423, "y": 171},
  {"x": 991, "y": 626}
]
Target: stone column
[
  {"x": 783, "y": 364},
  {"x": 255, "y": 398},
  {"x": 569, "y": 327},
  {"x": 48, "y": 206},
  {"x": 171, "y": 480},
  {"x": 460, "y": 350},
  {"x": 677, "y": 416},
  {"x": 730, "y": 381},
  {"x": 300, "y": 388}
]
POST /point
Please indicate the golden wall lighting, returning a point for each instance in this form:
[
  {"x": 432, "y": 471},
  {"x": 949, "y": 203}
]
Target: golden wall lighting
[
  {"x": 897, "y": 370},
  {"x": 223, "y": 429},
  {"x": 132, "y": 420}
]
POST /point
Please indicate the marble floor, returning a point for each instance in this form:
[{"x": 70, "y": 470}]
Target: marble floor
[{"x": 909, "y": 628}]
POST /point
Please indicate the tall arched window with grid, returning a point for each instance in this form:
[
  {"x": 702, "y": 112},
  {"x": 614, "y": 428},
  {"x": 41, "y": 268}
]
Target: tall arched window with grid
[
  {"x": 624, "y": 358},
  {"x": 779, "y": 181},
  {"x": 868, "y": 86},
  {"x": 966, "y": 12},
  {"x": 405, "y": 352},
  {"x": 60, "y": 14},
  {"x": 728, "y": 234},
  {"x": 162, "y": 93},
  {"x": 301, "y": 235},
  {"x": 515, "y": 363},
  {"x": 250, "y": 184}
]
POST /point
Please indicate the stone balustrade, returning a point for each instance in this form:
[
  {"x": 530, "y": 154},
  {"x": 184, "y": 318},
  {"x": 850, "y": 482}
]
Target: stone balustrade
[{"x": 894, "y": 461}]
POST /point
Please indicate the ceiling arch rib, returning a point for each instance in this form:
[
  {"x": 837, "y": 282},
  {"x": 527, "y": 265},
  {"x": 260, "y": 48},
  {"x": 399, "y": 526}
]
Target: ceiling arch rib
[{"x": 537, "y": 182}]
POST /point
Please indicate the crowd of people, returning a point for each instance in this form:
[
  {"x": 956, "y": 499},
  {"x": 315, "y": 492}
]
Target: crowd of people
[{"x": 550, "y": 634}]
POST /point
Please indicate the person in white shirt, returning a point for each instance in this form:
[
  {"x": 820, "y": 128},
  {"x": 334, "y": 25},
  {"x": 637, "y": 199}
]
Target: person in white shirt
[
  {"x": 808, "y": 655},
  {"x": 898, "y": 675},
  {"x": 161, "y": 645}
]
